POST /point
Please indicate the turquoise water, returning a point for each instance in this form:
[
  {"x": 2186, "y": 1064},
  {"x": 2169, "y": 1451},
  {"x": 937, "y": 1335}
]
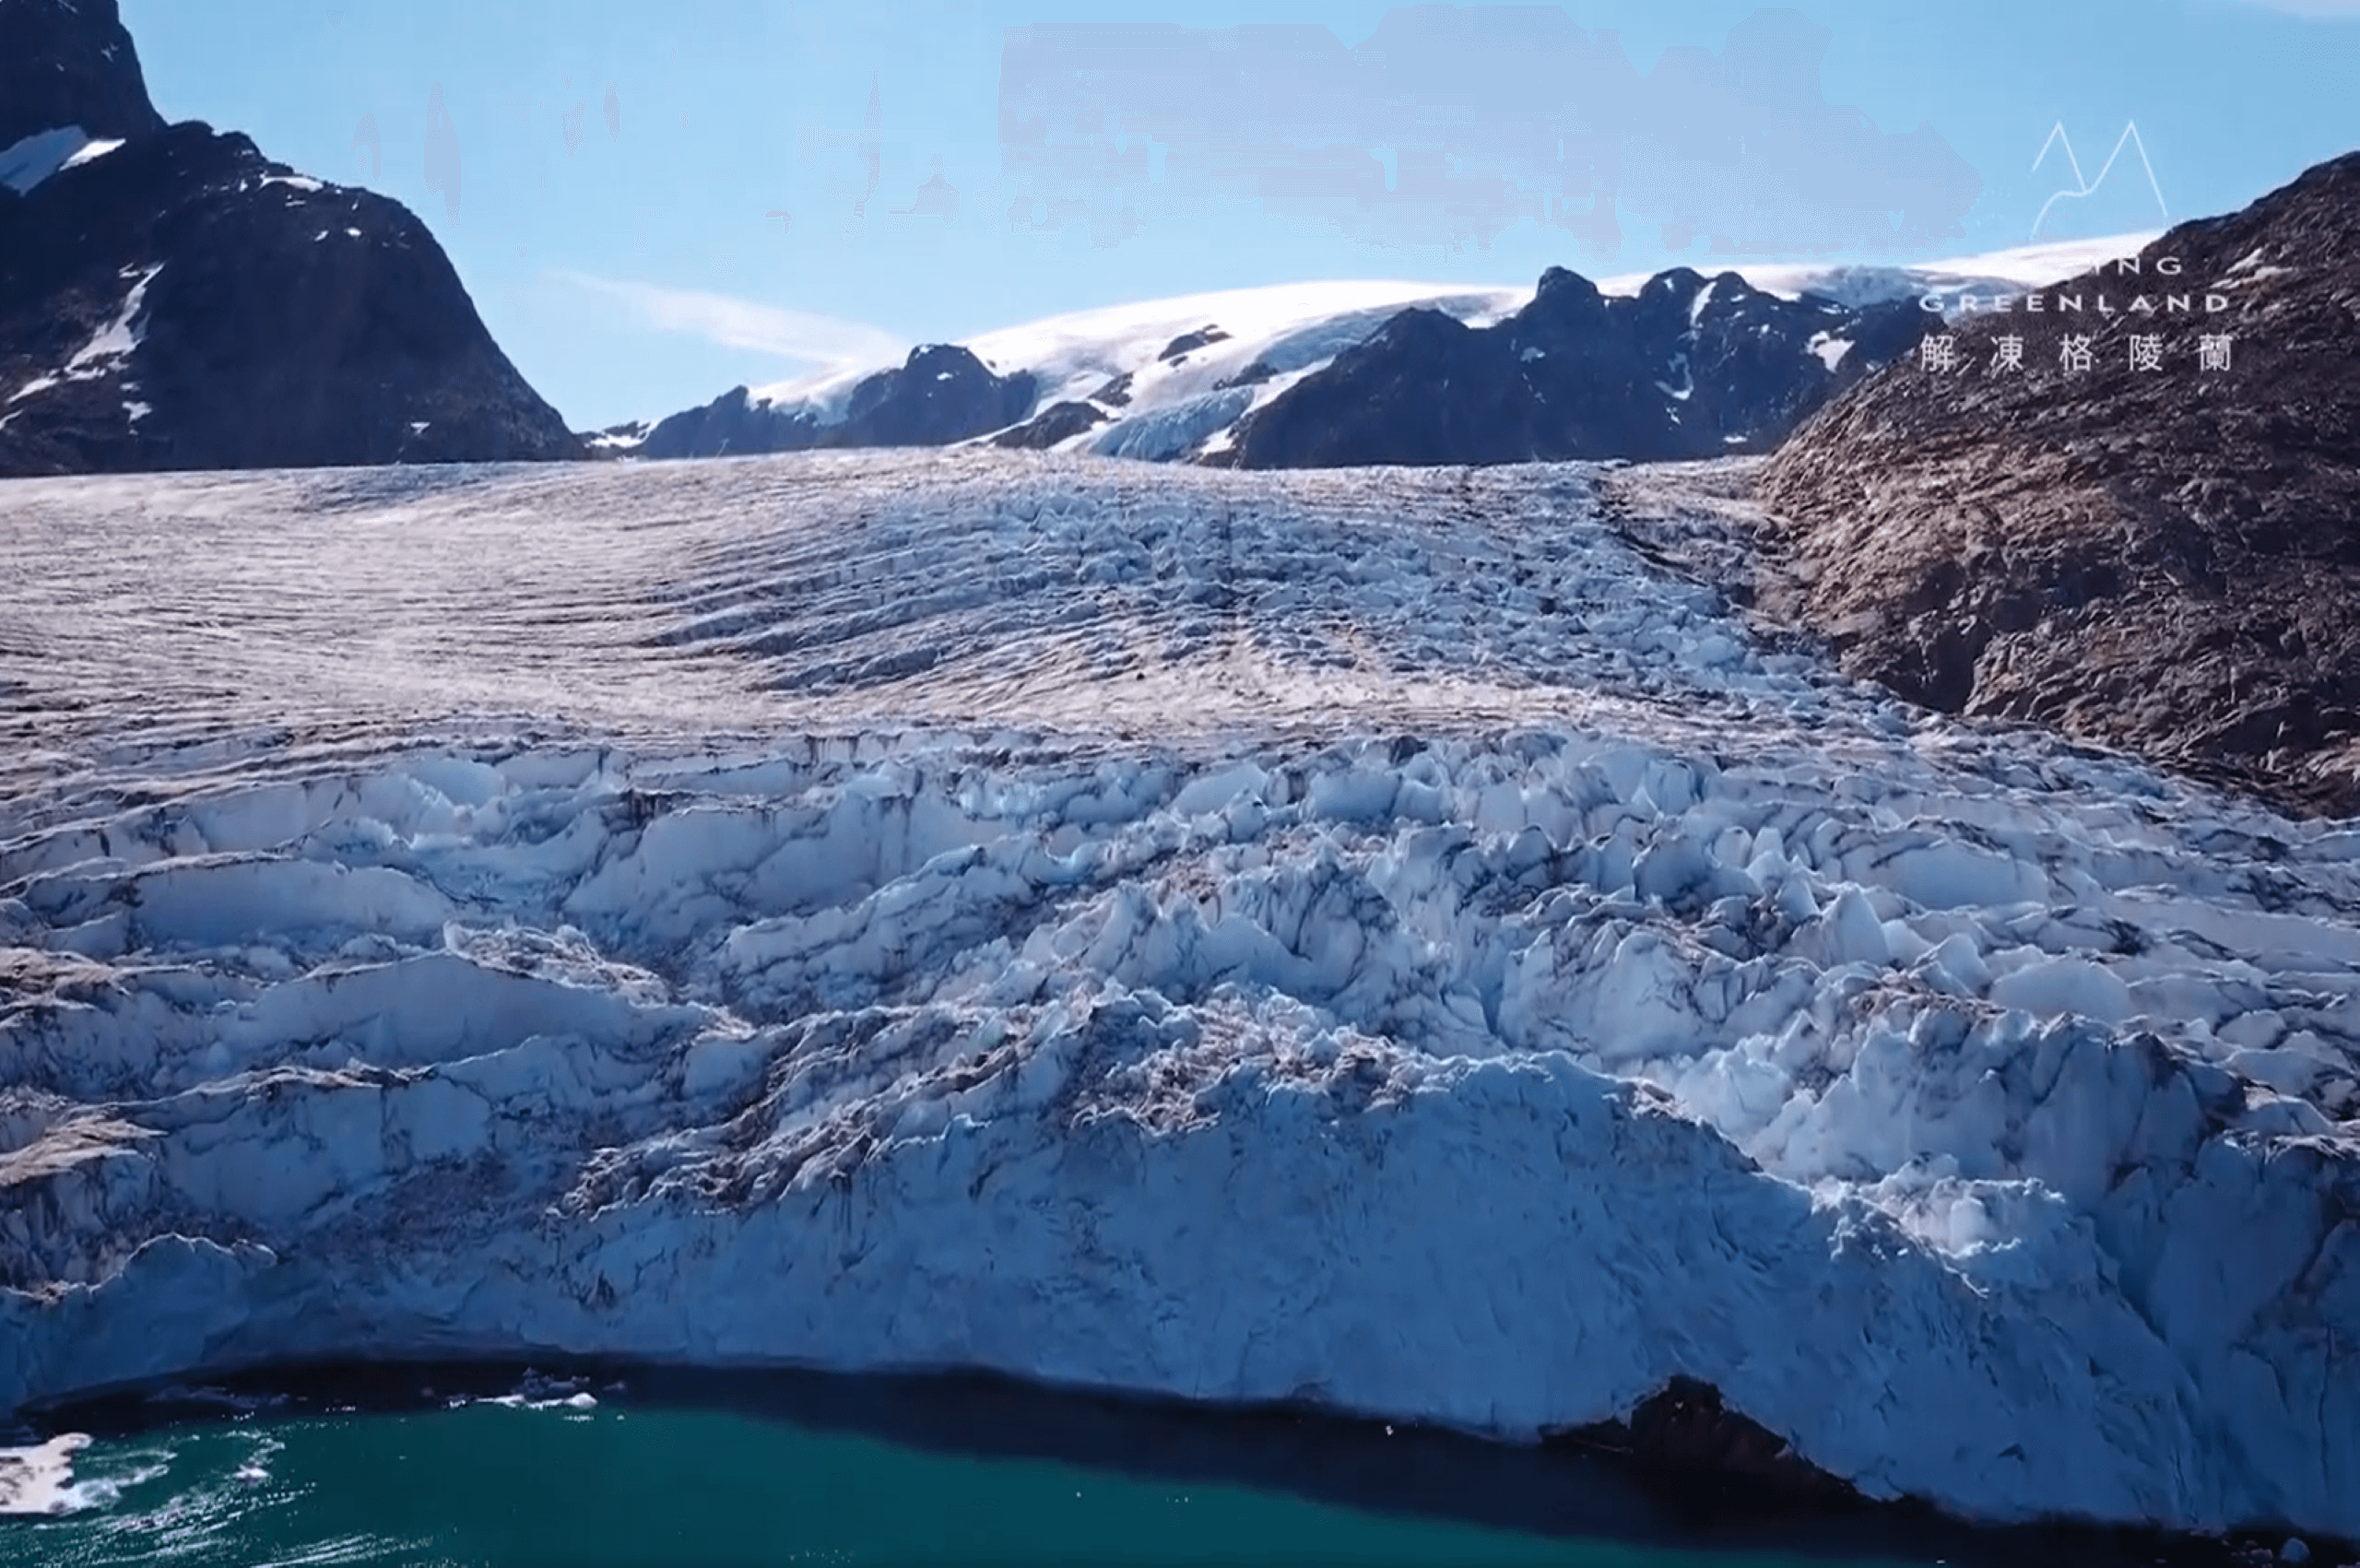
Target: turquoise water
[
  {"x": 487, "y": 1483},
  {"x": 845, "y": 1473},
  {"x": 491, "y": 1484}
]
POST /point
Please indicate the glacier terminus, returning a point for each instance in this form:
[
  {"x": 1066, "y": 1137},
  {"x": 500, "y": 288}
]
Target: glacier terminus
[{"x": 1408, "y": 941}]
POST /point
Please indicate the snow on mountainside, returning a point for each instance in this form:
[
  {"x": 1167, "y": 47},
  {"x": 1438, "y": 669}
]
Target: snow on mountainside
[
  {"x": 1072, "y": 355},
  {"x": 1873, "y": 282},
  {"x": 1171, "y": 378},
  {"x": 45, "y": 153},
  {"x": 614, "y": 441},
  {"x": 1689, "y": 367},
  {"x": 1138, "y": 368},
  {"x": 1375, "y": 939}
]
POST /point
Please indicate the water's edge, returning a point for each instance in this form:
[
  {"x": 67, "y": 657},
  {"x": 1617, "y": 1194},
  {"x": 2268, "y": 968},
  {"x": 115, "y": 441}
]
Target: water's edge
[{"x": 1629, "y": 1483}]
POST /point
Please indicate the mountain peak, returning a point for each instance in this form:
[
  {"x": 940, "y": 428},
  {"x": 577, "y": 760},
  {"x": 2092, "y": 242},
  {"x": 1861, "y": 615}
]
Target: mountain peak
[
  {"x": 170, "y": 298},
  {"x": 1558, "y": 285},
  {"x": 70, "y": 63}
]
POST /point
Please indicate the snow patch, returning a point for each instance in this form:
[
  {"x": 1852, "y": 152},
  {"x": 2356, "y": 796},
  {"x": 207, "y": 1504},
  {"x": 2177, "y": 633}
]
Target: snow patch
[
  {"x": 113, "y": 343},
  {"x": 32, "y": 159},
  {"x": 1860, "y": 283},
  {"x": 1687, "y": 383},
  {"x": 91, "y": 151},
  {"x": 1830, "y": 348},
  {"x": 622, "y": 438}
]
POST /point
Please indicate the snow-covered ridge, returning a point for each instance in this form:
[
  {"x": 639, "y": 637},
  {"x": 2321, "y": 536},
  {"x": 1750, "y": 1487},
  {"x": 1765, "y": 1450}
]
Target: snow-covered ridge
[
  {"x": 1347, "y": 935},
  {"x": 1158, "y": 399},
  {"x": 1864, "y": 283},
  {"x": 1071, "y": 355},
  {"x": 1266, "y": 340}
]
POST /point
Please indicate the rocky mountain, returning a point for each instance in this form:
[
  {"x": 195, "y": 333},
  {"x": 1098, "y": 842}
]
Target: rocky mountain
[
  {"x": 1175, "y": 380},
  {"x": 1688, "y": 366},
  {"x": 1155, "y": 380},
  {"x": 171, "y": 299},
  {"x": 942, "y": 394},
  {"x": 2147, "y": 535},
  {"x": 70, "y": 64}
]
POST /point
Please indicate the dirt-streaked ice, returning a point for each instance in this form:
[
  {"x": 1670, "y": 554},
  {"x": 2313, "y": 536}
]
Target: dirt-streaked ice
[{"x": 1387, "y": 938}]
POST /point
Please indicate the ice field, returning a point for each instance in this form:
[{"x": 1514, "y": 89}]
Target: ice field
[{"x": 1401, "y": 939}]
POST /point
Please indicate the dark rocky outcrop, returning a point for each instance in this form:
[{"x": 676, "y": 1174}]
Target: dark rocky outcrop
[
  {"x": 735, "y": 422},
  {"x": 183, "y": 302},
  {"x": 1058, "y": 421},
  {"x": 1254, "y": 374},
  {"x": 1187, "y": 343},
  {"x": 1690, "y": 367},
  {"x": 2165, "y": 560},
  {"x": 70, "y": 65},
  {"x": 942, "y": 394},
  {"x": 1686, "y": 1433}
]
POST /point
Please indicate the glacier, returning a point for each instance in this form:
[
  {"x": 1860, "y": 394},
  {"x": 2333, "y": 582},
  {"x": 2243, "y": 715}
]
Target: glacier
[{"x": 1408, "y": 941}]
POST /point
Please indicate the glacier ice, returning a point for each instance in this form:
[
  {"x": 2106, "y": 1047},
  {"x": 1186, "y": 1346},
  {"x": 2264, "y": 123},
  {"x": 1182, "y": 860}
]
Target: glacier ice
[{"x": 1384, "y": 939}]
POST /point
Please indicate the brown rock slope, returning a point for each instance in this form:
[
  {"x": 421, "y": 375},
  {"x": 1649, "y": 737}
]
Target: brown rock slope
[{"x": 2165, "y": 560}]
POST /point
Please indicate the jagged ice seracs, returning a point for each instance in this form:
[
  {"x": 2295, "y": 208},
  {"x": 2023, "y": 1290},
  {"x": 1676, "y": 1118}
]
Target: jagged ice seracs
[{"x": 1400, "y": 940}]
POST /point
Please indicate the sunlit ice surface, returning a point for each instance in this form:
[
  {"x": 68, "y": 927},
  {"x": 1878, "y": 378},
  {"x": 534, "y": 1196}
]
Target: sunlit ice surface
[{"x": 1396, "y": 940}]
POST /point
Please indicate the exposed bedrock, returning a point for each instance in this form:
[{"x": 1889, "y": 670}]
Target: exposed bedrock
[{"x": 2163, "y": 559}]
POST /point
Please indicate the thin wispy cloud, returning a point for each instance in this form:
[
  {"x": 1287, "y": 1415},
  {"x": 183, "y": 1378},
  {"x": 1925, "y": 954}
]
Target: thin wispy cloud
[
  {"x": 746, "y": 323},
  {"x": 1449, "y": 124}
]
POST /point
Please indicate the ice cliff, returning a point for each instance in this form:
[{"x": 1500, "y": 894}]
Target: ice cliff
[{"x": 1387, "y": 939}]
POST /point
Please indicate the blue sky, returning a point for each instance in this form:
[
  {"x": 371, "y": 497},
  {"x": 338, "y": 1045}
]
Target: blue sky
[{"x": 632, "y": 266}]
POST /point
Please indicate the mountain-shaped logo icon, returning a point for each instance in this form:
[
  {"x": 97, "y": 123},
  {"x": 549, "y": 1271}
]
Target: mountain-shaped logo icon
[{"x": 2084, "y": 186}]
